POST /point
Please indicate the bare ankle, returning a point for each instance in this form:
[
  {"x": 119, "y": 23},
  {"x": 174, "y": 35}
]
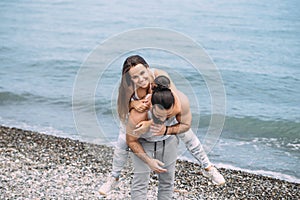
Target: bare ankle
[{"x": 208, "y": 168}]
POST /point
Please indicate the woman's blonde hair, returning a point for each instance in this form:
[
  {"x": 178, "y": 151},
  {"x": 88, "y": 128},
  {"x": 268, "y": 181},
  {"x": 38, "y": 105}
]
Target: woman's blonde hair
[{"x": 126, "y": 88}]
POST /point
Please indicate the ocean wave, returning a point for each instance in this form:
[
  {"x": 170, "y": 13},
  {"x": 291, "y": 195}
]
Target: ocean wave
[
  {"x": 5, "y": 49},
  {"x": 249, "y": 127},
  {"x": 8, "y": 98},
  {"x": 11, "y": 97}
]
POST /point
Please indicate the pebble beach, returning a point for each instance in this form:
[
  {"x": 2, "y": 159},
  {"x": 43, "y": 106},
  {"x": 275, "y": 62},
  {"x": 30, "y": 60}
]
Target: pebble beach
[{"x": 39, "y": 166}]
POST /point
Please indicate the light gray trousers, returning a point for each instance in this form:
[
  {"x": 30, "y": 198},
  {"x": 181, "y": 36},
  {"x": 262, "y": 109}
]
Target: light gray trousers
[
  {"x": 167, "y": 153},
  {"x": 190, "y": 140}
]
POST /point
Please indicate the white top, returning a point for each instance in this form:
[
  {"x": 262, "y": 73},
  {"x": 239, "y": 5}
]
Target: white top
[{"x": 149, "y": 136}]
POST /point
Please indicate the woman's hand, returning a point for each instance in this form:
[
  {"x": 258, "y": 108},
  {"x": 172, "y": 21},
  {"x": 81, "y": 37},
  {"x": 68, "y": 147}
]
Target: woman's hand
[
  {"x": 142, "y": 127},
  {"x": 141, "y": 105}
]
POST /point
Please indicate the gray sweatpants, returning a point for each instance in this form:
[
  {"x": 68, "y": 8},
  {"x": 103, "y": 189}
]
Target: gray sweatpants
[
  {"x": 190, "y": 140},
  {"x": 167, "y": 153}
]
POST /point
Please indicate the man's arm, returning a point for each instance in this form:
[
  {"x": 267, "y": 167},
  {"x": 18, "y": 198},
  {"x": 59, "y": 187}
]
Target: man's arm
[
  {"x": 184, "y": 117},
  {"x": 136, "y": 147}
]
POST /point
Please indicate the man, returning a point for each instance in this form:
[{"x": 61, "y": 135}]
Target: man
[
  {"x": 157, "y": 148},
  {"x": 192, "y": 143}
]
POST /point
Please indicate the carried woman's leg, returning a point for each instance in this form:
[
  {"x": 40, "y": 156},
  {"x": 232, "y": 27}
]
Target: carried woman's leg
[
  {"x": 193, "y": 144},
  {"x": 120, "y": 153},
  {"x": 119, "y": 160}
]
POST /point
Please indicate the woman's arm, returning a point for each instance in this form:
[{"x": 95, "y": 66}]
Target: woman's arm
[
  {"x": 141, "y": 105},
  {"x": 136, "y": 147}
]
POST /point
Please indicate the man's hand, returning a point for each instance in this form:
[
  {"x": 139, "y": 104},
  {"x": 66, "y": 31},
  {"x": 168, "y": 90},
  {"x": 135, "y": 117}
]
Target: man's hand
[
  {"x": 142, "y": 128},
  {"x": 155, "y": 164},
  {"x": 157, "y": 129}
]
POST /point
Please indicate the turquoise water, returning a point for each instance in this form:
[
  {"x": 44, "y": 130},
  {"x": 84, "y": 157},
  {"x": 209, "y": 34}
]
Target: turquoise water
[{"x": 254, "y": 44}]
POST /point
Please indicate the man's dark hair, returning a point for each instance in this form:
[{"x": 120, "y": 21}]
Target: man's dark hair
[{"x": 162, "y": 81}]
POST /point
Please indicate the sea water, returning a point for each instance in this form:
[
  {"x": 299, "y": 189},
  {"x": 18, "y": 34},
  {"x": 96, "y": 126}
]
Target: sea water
[{"x": 254, "y": 44}]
